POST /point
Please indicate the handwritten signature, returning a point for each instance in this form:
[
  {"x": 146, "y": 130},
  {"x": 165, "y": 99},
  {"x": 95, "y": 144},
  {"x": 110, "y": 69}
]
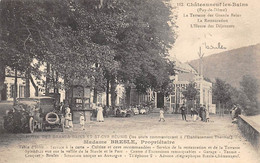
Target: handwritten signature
[{"x": 218, "y": 46}]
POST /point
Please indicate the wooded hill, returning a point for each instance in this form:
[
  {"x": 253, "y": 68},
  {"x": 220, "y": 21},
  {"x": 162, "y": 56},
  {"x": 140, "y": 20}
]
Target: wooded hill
[{"x": 231, "y": 65}]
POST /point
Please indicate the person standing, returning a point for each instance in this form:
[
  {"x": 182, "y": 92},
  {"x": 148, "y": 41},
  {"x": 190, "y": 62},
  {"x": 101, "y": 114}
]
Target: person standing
[
  {"x": 207, "y": 114},
  {"x": 191, "y": 112},
  {"x": 183, "y": 112},
  {"x": 204, "y": 119},
  {"x": 105, "y": 111},
  {"x": 200, "y": 112},
  {"x": 68, "y": 118},
  {"x": 161, "y": 116},
  {"x": 100, "y": 117},
  {"x": 195, "y": 114},
  {"x": 82, "y": 121},
  {"x": 61, "y": 108}
]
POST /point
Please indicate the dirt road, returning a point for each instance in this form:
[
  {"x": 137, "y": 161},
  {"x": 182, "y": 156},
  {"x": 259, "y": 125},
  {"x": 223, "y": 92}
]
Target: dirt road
[{"x": 219, "y": 136}]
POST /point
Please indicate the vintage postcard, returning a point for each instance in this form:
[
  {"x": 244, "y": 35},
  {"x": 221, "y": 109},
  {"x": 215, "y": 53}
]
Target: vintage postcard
[{"x": 129, "y": 81}]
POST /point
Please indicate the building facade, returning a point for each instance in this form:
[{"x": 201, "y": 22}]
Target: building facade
[{"x": 185, "y": 74}]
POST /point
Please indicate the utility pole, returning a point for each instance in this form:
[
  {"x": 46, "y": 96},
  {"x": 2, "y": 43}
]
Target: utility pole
[
  {"x": 201, "y": 74},
  {"x": 200, "y": 62}
]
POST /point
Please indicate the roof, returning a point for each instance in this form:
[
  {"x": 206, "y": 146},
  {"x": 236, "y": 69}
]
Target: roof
[
  {"x": 186, "y": 76},
  {"x": 183, "y": 67}
]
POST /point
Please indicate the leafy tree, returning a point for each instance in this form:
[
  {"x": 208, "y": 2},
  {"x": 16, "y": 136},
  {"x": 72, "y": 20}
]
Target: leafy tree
[
  {"x": 249, "y": 93},
  {"x": 246, "y": 97},
  {"x": 143, "y": 44},
  {"x": 249, "y": 85},
  {"x": 117, "y": 40},
  {"x": 17, "y": 36},
  {"x": 60, "y": 33},
  {"x": 190, "y": 93},
  {"x": 221, "y": 93}
]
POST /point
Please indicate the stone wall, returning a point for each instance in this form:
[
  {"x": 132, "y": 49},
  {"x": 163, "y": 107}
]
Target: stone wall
[{"x": 250, "y": 130}]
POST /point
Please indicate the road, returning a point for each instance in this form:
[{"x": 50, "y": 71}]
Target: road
[{"x": 224, "y": 133}]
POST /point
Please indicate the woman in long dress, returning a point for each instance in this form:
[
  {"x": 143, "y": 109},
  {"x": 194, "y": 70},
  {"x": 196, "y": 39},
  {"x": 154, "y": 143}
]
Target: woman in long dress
[
  {"x": 100, "y": 117},
  {"x": 68, "y": 118}
]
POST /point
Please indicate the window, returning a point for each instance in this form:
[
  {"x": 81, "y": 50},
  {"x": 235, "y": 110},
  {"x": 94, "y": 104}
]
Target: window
[
  {"x": 173, "y": 99},
  {"x": 79, "y": 101},
  {"x": 12, "y": 91},
  {"x": 21, "y": 91}
]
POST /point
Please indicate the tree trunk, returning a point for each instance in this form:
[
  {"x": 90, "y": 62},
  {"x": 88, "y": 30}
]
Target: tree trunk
[
  {"x": 55, "y": 79},
  {"x": 107, "y": 93},
  {"x": 56, "y": 82},
  {"x": 67, "y": 90},
  {"x": 15, "y": 87},
  {"x": 35, "y": 86},
  {"x": 128, "y": 98},
  {"x": 2, "y": 77},
  {"x": 222, "y": 106},
  {"x": 47, "y": 79},
  {"x": 113, "y": 91},
  {"x": 95, "y": 88},
  {"x": 95, "y": 96},
  {"x": 27, "y": 83},
  {"x": 218, "y": 105}
]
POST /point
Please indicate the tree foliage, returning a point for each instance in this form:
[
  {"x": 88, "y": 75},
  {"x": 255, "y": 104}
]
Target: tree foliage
[
  {"x": 143, "y": 44},
  {"x": 249, "y": 95},
  {"x": 91, "y": 40},
  {"x": 221, "y": 91},
  {"x": 245, "y": 97},
  {"x": 190, "y": 92},
  {"x": 249, "y": 85}
]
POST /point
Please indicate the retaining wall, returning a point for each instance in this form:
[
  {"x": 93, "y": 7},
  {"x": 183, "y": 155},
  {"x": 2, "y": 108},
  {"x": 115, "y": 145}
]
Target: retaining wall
[{"x": 250, "y": 130}]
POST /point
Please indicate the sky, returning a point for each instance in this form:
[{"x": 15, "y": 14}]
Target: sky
[{"x": 246, "y": 31}]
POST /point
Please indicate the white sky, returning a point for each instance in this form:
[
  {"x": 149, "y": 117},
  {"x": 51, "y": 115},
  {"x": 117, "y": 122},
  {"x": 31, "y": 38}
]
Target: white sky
[{"x": 246, "y": 31}]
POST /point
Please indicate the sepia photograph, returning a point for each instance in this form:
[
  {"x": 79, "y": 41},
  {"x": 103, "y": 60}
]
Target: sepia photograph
[{"x": 129, "y": 81}]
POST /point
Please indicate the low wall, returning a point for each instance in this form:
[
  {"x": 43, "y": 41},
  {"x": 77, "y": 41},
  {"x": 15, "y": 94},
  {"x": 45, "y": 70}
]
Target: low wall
[{"x": 250, "y": 130}]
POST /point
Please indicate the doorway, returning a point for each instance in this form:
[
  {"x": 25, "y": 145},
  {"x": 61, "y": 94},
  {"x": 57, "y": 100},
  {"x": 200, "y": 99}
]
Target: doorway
[
  {"x": 4, "y": 93},
  {"x": 160, "y": 100}
]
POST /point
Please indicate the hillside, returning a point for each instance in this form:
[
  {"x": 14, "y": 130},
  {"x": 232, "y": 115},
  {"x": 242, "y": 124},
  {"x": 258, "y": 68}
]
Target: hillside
[{"x": 231, "y": 65}]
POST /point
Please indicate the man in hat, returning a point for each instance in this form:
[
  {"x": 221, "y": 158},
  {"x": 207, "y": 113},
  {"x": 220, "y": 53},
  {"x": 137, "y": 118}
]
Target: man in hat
[{"x": 183, "y": 112}]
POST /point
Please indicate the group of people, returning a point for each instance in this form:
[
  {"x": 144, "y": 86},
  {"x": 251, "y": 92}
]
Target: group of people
[
  {"x": 65, "y": 110},
  {"x": 203, "y": 113}
]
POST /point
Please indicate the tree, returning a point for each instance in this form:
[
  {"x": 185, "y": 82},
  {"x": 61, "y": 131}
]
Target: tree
[
  {"x": 249, "y": 92},
  {"x": 17, "y": 37},
  {"x": 249, "y": 85},
  {"x": 143, "y": 45},
  {"x": 221, "y": 93},
  {"x": 59, "y": 33},
  {"x": 121, "y": 37},
  {"x": 190, "y": 93},
  {"x": 245, "y": 97}
]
